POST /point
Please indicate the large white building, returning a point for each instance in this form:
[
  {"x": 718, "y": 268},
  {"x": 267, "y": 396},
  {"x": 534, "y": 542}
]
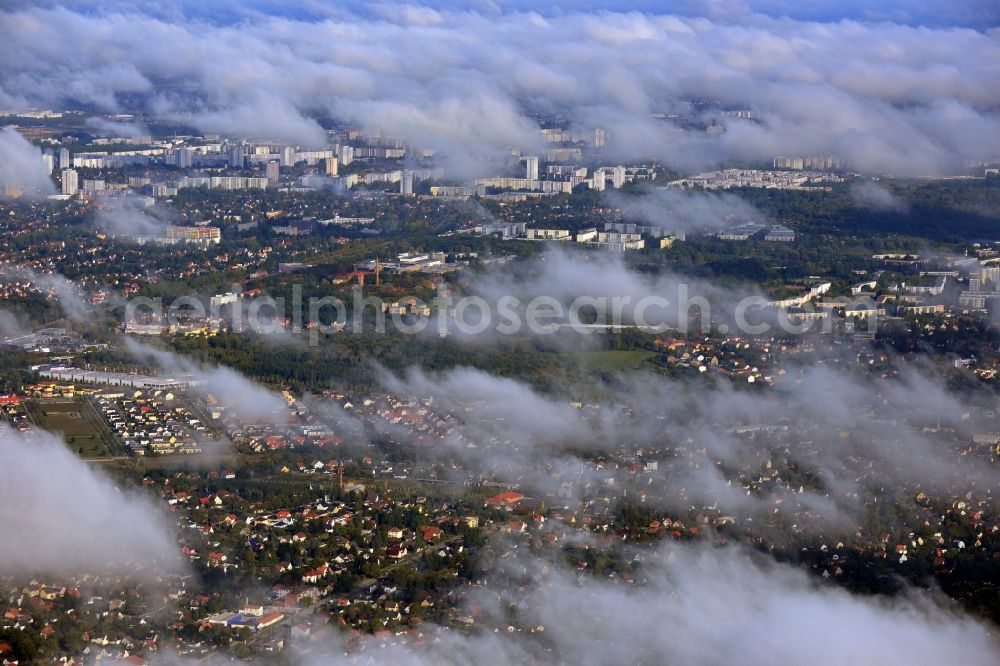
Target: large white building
[
  {"x": 526, "y": 184},
  {"x": 531, "y": 168},
  {"x": 617, "y": 177},
  {"x": 237, "y": 157},
  {"x": 800, "y": 163},
  {"x": 598, "y": 181},
  {"x": 218, "y": 182},
  {"x": 548, "y": 234},
  {"x": 181, "y": 157},
  {"x": 70, "y": 181}
]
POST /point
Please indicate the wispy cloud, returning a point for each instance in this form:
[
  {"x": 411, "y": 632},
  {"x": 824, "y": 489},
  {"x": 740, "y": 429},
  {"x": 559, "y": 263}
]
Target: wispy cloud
[
  {"x": 21, "y": 166},
  {"x": 59, "y": 516}
]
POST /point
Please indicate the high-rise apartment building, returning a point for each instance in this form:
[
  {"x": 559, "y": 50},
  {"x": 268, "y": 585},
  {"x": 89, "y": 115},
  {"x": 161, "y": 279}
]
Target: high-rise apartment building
[
  {"x": 70, "y": 181},
  {"x": 531, "y": 168}
]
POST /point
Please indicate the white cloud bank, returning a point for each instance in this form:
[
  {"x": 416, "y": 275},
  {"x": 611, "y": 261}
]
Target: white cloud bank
[
  {"x": 21, "y": 166},
  {"x": 884, "y": 96},
  {"x": 60, "y": 516}
]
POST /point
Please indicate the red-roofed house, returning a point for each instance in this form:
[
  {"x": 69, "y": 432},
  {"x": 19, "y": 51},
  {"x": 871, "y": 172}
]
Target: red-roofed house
[
  {"x": 430, "y": 532},
  {"x": 508, "y": 498}
]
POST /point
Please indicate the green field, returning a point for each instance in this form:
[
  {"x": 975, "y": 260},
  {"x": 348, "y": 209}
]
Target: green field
[
  {"x": 606, "y": 361},
  {"x": 79, "y": 425}
]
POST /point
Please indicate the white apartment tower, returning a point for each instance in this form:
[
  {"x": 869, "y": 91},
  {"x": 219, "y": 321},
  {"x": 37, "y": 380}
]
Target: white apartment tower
[
  {"x": 531, "y": 168},
  {"x": 617, "y": 177},
  {"x": 183, "y": 158},
  {"x": 237, "y": 157},
  {"x": 599, "y": 180},
  {"x": 70, "y": 182}
]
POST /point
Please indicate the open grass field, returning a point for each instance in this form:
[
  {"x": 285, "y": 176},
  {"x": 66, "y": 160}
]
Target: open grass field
[
  {"x": 78, "y": 423},
  {"x": 610, "y": 360}
]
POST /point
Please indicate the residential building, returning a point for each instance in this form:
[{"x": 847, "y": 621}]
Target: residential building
[
  {"x": 531, "y": 168},
  {"x": 70, "y": 182}
]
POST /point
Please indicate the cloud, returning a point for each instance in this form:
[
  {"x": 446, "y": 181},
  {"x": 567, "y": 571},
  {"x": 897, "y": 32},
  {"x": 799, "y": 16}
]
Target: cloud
[
  {"x": 63, "y": 289},
  {"x": 961, "y": 13},
  {"x": 10, "y": 325},
  {"x": 808, "y": 456},
  {"x": 263, "y": 116},
  {"x": 133, "y": 216},
  {"x": 768, "y": 614},
  {"x": 867, "y": 194},
  {"x": 690, "y": 605},
  {"x": 681, "y": 212},
  {"x": 21, "y": 166},
  {"x": 495, "y": 399},
  {"x": 60, "y": 516},
  {"x": 884, "y": 96},
  {"x": 585, "y": 291},
  {"x": 115, "y": 128},
  {"x": 243, "y": 397}
]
